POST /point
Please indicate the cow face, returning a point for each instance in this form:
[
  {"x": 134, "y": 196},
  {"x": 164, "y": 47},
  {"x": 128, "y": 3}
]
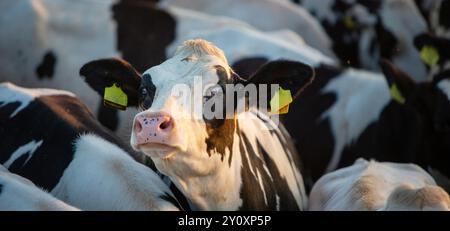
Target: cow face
[
  {"x": 177, "y": 97},
  {"x": 431, "y": 101}
]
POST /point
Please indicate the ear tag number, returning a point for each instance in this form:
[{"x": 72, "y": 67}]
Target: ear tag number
[
  {"x": 279, "y": 104},
  {"x": 396, "y": 95},
  {"x": 115, "y": 98},
  {"x": 429, "y": 55}
]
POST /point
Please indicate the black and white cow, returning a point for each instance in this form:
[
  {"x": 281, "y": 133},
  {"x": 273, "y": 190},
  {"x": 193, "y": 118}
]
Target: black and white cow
[
  {"x": 436, "y": 13},
  {"x": 283, "y": 15},
  {"x": 51, "y": 138},
  {"x": 243, "y": 161},
  {"x": 378, "y": 186},
  {"x": 346, "y": 114},
  {"x": 365, "y": 31},
  {"x": 40, "y": 42},
  {"x": 20, "y": 194},
  {"x": 438, "y": 56}
]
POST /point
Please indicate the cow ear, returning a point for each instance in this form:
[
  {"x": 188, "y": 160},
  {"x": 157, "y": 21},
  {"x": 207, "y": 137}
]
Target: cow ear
[
  {"x": 291, "y": 76},
  {"x": 401, "y": 86},
  {"x": 432, "y": 49},
  {"x": 115, "y": 80}
]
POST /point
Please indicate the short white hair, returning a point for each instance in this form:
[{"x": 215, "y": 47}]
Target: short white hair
[{"x": 199, "y": 48}]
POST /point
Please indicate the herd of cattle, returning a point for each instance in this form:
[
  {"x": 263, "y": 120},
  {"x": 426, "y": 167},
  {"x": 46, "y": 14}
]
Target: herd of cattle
[{"x": 368, "y": 128}]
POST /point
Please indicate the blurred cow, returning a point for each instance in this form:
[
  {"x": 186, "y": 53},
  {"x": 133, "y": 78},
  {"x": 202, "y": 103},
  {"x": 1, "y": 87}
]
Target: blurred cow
[
  {"x": 436, "y": 13},
  {"x": 240, "y": 160},
  {"x": 43, "y": 43},
  {"x": 435, "y": 52},
  {"x": 365, "y": 31},
  {"x": 346, "y": 114},
  {"x": 375, "y": 186},
  {"x": 51, "y": 138},
  {"x": 283, "y": 15}
]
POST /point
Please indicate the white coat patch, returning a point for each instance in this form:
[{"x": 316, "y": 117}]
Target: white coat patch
[
  {"x": 28, "y": 148},
  {"x": 360, "y": 98},
  {"x": 10, "y": 93},
  {"x": 444, "y": 86}
]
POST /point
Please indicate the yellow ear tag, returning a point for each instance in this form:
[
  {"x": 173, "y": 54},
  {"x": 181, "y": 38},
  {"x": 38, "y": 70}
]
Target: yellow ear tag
[
  {"x": 279, "y": 104},
  {"x": 349, "y": 22},
  {"x": 429, "y": 55},
  {"x": 396, "y": 95},
  {"x": 114, "y": 97}
]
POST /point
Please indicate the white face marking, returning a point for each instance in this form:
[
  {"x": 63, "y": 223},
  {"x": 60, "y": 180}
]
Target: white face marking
[
  {"x": 11, "y": 93},
  {"x": 444, "y": 86},
  {"x": 28, "y": 148},
  {"x": 360, "y": 98}
]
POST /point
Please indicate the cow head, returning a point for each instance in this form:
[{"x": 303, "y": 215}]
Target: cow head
[
  {"x": 431, "y": 101},
  {"x": 169, "y": 128},
  {"x": 434, "y": 50}
]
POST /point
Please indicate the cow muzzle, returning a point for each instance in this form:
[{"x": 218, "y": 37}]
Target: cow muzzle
[{"x": 155, "y": 134}]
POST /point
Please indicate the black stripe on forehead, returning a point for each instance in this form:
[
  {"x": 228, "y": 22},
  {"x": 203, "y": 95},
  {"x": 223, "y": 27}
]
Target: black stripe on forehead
[{"x": 147, "y": 83}]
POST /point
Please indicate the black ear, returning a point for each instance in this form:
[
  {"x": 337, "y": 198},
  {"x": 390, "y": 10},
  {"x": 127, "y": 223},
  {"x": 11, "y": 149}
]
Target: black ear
[
  {"x": 103, "y": 73},
  {"x": 400, "y": 84},
  {"x": 441, "y": 46},
  {"x": 290, "y": 75}
]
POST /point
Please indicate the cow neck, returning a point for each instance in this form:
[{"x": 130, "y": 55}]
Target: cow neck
[{"x": 219, "y": 190}]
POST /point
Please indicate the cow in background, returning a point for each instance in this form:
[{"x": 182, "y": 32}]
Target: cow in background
[
  {"x": 365, "y": 31},
  {"x": 51, "y": 138},
  {"x": 20, "y": 194},
  {"x": 283, "y": 15},
  {"x": 40, "y": 42},
  {"x": 374, "y": 186}
]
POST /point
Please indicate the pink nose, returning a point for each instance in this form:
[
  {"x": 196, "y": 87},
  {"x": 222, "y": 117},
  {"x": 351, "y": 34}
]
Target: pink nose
[{"x": 153, "y": 128}]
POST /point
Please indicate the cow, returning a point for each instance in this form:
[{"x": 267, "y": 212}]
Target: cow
[
  {"x": 347, "y": 113},
  {"x": 42, "y": 48},
  {"x": 435, "y": 52},
  {"x": 435, "y": 12},
  {"x": 284, "y": 15},
  {"x": 365, "y": 31},
  {"x": 378, "y": 186},
  {"x": 20, "y": 194},
  {"x": 51, "y": 138},
  {"x": 238, "y": 161}
]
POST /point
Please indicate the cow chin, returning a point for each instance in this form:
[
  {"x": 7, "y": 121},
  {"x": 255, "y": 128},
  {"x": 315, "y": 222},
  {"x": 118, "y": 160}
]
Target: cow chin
[{"x": 159, "y": 151}]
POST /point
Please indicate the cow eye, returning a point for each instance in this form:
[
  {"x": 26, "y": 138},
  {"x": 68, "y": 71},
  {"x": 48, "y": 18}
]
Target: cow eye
[
  {"x": 144, "y": 92},
  {"x": 213, "y": 91}
]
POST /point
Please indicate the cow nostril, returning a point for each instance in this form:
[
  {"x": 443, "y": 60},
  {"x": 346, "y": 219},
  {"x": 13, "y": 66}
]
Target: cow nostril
[
  {"x": 166, "y": 124},
  {"x": 137, "y": 127}
]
